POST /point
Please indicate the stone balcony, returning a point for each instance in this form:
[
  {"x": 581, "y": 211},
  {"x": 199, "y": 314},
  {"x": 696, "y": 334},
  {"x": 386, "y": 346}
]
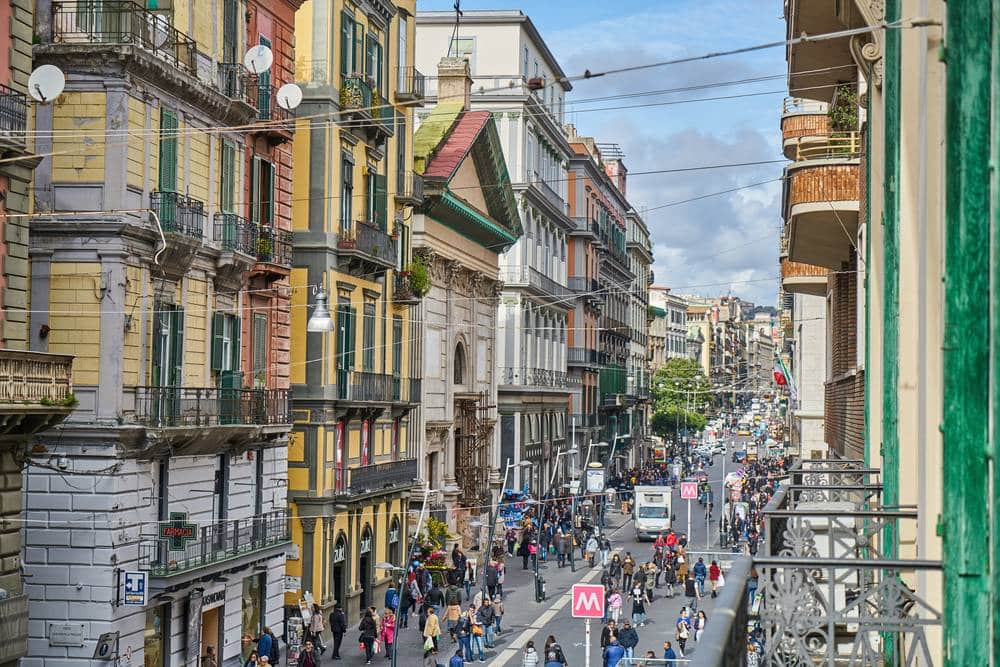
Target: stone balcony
[
  {"x": 803, "y": 122},
  {"x": 798, "y": 278},
  {"x": 822, "y": 200},
  {"x": 36, "y": 391}
]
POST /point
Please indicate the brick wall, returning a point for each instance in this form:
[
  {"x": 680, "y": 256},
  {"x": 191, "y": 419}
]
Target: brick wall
[
  {"x": 823, "y": 183},
  {"x": 844, "y": 415},
  {"x": 794, "y": 127}
]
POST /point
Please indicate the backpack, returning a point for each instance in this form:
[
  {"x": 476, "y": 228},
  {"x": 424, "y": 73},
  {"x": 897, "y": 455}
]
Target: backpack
[{"x": 275, "y": 655}]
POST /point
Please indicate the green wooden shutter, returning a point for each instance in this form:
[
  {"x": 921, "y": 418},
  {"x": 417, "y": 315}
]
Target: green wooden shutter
[
  {"x": 227, "y": 194},
  {"x": 259, "y": 351},
  {"x": 269, "y": 191},
  {"x": 168, "y": 151},
  {"x": 381, "y": 202},
  {"x": 357, "y": 48},
  {"x": 346, "y": 46},
  {"x": 379, "y": 68},
  {"x": 177, "y": 346},
  {"x": 218, "y": 327},
  {"x": 156, "y": 366},
  {"x": 264, "y": 88},
  {"x": 352, "y": 336},
  {"x": 236, "y": 353},
  {"x": 370, "y": 55},
  {"x": 230, "y": 35},
  {"x": 255, "y": 190}
]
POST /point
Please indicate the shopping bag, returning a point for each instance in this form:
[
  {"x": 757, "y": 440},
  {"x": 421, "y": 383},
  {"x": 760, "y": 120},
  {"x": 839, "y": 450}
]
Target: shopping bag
[
  {"x": 722, "y": 580},
  {"x": 428, "y": 644}
]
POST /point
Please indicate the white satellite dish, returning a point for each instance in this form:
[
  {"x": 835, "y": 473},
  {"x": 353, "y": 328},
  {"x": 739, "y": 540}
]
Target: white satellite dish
[
  {"x": 258, "y": 59},
  {"x": 289, "y": 96},
  {"x": 46, "y": 83}
]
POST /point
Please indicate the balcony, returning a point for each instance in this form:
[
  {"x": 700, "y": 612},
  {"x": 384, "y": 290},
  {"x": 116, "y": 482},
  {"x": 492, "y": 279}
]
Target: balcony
[
  {"x": 36, "y": 391},
  {"x": 582, "y": 420},
  {"x": 798, "y": 278},
  {"x": 816, "y": 67},
  {"x": 372, "y": 116},
  {"x": 536, "y": 281},
  {"x": 13, "y": 120},
  {"x": 366, "y": 249},
  {"x": 583, "y": 284},
  {"x": 546, "y": 192},
  {"x": 409, "y": 189},
  {"x": 178, "y": 214},
  {"x": 410, "y": 84},
  {"x": 821, "y": 200},
  {"x": 238, "y": 84},
  {"x": 393, "y": 475},
  {"x": 402, "y": 290},
  {"x": 582, "y": 356},
  {"x": 236, "y": 234},
  {"x": 534, "y": 378},
  {"x": 273, "y": 252},
  {"x": 369, "y": 387},
  {"x": 405, "y": 390},
  {"x": 224, "y": 545},
  {"x": 583, "y": 226},
  {"x": 803, "y": 122},
  {"x": 828, "y": 591},
  {"x": 13, "y": 628},
  {"x": 273, "y": 121}
]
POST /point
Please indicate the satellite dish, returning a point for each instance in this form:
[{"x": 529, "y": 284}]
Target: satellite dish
[
  {"x": 258, "y": 59},
  {"x": 46, "y": 83},
  {"x": 289, "y": 96}
]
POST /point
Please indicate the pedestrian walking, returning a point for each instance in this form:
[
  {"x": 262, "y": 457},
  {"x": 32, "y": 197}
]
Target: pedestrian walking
[
  {"x": 638, "y": 607},
  {"x": 477, "y": 635},
  {"x": 610, "y": 630},
  {"x": 316, "y": 628},
  {"x": 615, "y": 602},
  {"x": 432, "y": 628},
  {"x": 691, "y": 592},
  {"x": 338, "y": 626},
  {"x": 699, "y": 625},
  {"x": 369, "y": 631},
  {"x": 628, "y": 568},
  {"x": 681, "y": 633},
  {"x": 669, "y": 654},
  {"x": 530, "y": 656},
  {"x": 463, "y": 633},
  {"x": 628, "y": 638},
  {"x": 487, "y": 619},
  {"x": 468, "y": 579},
  {"x": 498, "y": 613},
  {"x": 700, "y": 573},
  {"x": 457, "y": 660},
  {"x": 714, "y": 572},
  {"x": 613, "y": 653},
  {"x": 310, "y": 656},
  {"x": 387, "y": 631}
]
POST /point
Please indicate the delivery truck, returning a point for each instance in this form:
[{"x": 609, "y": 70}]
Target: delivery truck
[{"x": 652, "y": 511}]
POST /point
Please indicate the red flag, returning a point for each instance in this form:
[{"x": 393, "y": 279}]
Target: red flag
[{"x": 779, "y": 377}]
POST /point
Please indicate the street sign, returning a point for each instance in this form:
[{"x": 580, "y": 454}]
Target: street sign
[
  {"x": 689, "y": 490},
  {"x": 588, "y": 601},
  {"x": 135, "y": 588},
  {"x": 106, "y": 644},
  {"x": 177, "y": 531},
  {"x": 595, "y": 480}
]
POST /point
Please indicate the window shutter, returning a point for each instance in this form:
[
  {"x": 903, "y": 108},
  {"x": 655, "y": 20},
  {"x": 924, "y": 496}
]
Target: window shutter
[
  {"x": 270, "y": 191},
  {"x": 255, "y": 190},
  {"x": 259, "y": 349},
  {"x": 218, "y": 321},
  {"x": 352, "y": 336},
  {"x": 177, "y": 346},
  {"x": 379, "y": 70},
  {"x": 358, "y": 49},
  {"x": 168, "y": 151},
  {"x": 157, "y": 359},
  {"x": 380, "y": 200},
  {"x": 346, "y": 48},
  {"x": 237, "y": 352},
  {"x": 227, "y": 195},
  {"x": 230, "y": 36}
]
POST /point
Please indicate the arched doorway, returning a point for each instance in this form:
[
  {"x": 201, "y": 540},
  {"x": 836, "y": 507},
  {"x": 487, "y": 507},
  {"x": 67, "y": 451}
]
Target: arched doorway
[
  {"x": 340, "y": 570},
  {"x": 394, "y": 552},
  {"x": 366, "y": 567}
]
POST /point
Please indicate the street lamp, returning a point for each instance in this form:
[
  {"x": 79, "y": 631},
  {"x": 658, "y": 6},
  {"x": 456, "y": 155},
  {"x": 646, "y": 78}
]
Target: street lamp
[
  {"x": 320, "y": 320},
  {"x": 494, "y": 510},
  {"x": 401, "y": 570},
  {"x": 555, "y": 463}
]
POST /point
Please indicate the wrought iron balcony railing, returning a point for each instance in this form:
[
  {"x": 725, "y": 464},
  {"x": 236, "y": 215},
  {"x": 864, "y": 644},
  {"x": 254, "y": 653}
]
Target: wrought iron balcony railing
[
  {"x": 236, "y": 83},
  {"x": 532, "y": 277},
  {"x": 581, "y": 356},
  {"x": 402, "y": 289},
  {"x": 236, "y": 233},
  {"x": 409, "y": 188},
  {"x": 170, "y": 407},
  {"x": 267, "y": 105},
  {"x": 356, "y": 94},
  {"x": 538, "y": 182},
  {"x": 382, "y": 475},
  {"x": 370, "y": 241},
  {"x": 123, "y": 22},
  {"x": 13, "y": 116},
  {"x": 534, "y": 377},
  {"x": 13, "y": 628},
  {"x": 178, "y": 213},
  {"x": 217, "y": 543},
  {"x": 365, "y": 386},
  {"x": 410, "y": 84},
  {"x": 405, "y": 390},
  {"x": 581, "y": 284},
  {"x": 274, "y": 246}
]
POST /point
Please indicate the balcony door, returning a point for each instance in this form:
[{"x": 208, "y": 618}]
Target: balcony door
[
  {"x": 264, "y": 87},
  {"x": 167, "y": 361},
  {"x": 346, "y": 339},
  {"x": 167, "y": 172}
]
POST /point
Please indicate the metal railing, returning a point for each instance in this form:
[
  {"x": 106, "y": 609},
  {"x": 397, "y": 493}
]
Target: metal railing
[
  {"x": 405, "y": 390},
  {"x": 842, "y": 145},
  {"x": 356, "y": 94},
  {"x": 382, "y": 475},
  {"x": 409, "y": 187},
  {"x": 217, "y": 543},
  {"x": 410, "y": 84},
  {"x": 267, "y": 105},
  {"x": 370, "y": 240},
  {"x": 169, "y": 407},
  {"x": 376, "y": 387},
  {"x": 534, "y": 377},
  {"x": 586, "y": 285},
  {"x": 581, "y": 355},
  {"x": 34, "y": 377},
  {"x": 236, "y": 233},
  {"x": 237, "y": 84},
  {"x": 13, "y": 628},
  {"x": 178, "y": 213},
  {"x": 402, "y": 288},
  {"x": 274, "y": 246},
  {"x": 535, "y": 180},
  {"x": 529, "y": 275},
  {"x": 123, "y": 22},
  {"x": 794, "y": 105},
  {"x": 13, "y": 115},
  {"x": 582, "y": 420}
]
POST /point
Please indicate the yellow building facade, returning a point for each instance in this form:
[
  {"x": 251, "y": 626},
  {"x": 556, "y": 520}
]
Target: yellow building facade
[{"x": 352, "y": 455}]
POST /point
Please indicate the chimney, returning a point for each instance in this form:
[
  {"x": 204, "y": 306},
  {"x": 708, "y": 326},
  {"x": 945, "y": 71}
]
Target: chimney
[
  {"x": 454, "y": 81},
  {"x": 616, "y": 170}
]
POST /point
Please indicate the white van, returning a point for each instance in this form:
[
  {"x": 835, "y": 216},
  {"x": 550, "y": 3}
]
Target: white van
[{"x": 652, "y": 511}]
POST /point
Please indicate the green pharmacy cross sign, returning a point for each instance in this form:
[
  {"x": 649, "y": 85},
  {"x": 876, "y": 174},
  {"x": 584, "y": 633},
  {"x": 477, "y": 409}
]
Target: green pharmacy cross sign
[{"x": 177, "y": 531}]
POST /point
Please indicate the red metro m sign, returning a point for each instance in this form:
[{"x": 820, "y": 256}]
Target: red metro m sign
[{"x": 588, "y": 601}]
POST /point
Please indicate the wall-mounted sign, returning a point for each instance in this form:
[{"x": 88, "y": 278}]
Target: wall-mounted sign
[
  {"x": 135, "y": 588},
  {"x": 66, "y": 634},
  {"x": 366, "y": 545},
  {"x": 292, "y": 584},
  {"x": 595, "y": 480},
  {"x": 393, "y": 535},
  {"x": 177, "y": 531},
  {"x": 339, "y": 555},
  {"x": 105, "y": 649},
  {"x": 213, "y": 599}
]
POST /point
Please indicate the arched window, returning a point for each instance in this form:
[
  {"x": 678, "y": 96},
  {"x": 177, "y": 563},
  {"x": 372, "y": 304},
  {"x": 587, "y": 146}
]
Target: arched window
[
  {"x": 394, "y": 539},
  {"x": 459, "y": 364}
]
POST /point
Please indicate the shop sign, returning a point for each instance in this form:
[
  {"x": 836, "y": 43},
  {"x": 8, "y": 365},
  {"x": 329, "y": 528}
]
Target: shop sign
[
  {"x": 393, "y": 535},
  {"x": 177, "y": 531},
  {"x": 339, "y": 555},
  {"x": 213, "y": 599},
  {"x": 595, "y": 480},
  {"x": 366, "y": 545},
  {"x": 135, "y": 588}
]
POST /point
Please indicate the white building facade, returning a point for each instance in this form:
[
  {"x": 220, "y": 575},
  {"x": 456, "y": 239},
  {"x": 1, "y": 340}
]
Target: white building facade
[{"x": 513, "y": 73}]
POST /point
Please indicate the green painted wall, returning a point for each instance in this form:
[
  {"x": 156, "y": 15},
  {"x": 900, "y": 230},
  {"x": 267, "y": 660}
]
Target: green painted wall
[{"x": 964, "y": 523}]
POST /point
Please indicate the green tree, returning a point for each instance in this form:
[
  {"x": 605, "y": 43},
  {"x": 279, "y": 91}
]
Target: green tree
[{"x": 681, "y": 384}]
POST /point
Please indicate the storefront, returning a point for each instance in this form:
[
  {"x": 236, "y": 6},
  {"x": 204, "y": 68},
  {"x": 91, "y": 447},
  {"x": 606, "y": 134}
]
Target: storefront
[
  {"x": 366, "y": 568},
  {"x": 156, "y": 636},
  {"x": 252, "y": 612}
]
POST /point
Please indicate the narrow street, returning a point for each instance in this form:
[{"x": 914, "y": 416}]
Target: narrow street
[{"x": 526, "y": 620}]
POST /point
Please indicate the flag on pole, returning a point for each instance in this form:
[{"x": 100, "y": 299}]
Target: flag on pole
[{"x": 783, "y": 378}]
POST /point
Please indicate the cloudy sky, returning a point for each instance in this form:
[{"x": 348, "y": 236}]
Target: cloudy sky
[{"x": 722, "y": 243}]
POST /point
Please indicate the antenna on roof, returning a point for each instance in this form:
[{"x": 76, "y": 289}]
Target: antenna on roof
[{"x": 454, "y": 33}]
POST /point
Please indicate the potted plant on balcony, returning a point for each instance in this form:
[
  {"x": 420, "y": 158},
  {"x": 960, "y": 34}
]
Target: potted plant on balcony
[
  {"x": 347, "y": 240},
  {"x": 420, "y": 280},
  {"x": 265, "y": 248}
]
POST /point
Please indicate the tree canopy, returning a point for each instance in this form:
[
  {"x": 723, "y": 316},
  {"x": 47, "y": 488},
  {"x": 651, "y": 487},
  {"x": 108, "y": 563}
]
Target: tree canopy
[{"x": 681, "y": 393}]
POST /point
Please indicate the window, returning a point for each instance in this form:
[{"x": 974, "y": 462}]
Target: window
[
  {"x": 459, "y": 377},
  {"x": 402, "y": 246},
  {"x": 168, "y": 345},
  {"x": 374, "y": 62},
  {"x": 464, "y": 47},
  {"x": 524, "y": 65},
  {"x": 225, "y": 344},
  {"x": 402, "y": 26},
  {"x": 397, "y": 346},
  {"x": 264, "y": 87},
  {"x": 167, "y": 181},
  {"x": 262, "y": 192},
  {"x": 368, "y": 354},
  {"x": 227, "y": 179},
  {"x": 230, "y": 31},
  {"x": 401, "y": 163},
  {"x": 350, "y": 33},
  {"x": 346, "y": 193}
]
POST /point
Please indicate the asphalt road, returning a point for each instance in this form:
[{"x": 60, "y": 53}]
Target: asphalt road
[{"x": 526, "y": 620}]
